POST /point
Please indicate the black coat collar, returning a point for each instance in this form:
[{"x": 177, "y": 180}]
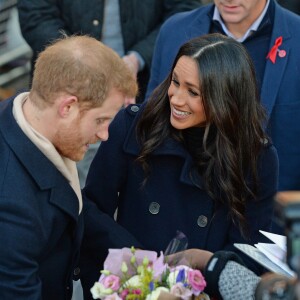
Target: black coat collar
[
  {"x": 36, "y": 163},
  {"x": 169, "y": 147}
]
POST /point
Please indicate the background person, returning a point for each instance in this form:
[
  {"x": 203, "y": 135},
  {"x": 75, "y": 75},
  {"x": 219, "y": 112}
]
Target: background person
[
  {"x": 293, "y": 5},
  {"x": 129, "y": 27}
]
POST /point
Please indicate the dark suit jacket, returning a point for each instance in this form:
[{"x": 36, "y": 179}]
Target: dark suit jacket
[
  {"x": 42, "y": 20},
  {"x": 169, "y": 201},
  {"x": 280, "y": 91},
  {"x": 40, "y": 230}
]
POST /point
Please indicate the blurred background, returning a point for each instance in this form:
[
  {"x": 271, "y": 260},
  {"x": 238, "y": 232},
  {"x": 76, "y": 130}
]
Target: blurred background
[{"x": 15, "y": 54}]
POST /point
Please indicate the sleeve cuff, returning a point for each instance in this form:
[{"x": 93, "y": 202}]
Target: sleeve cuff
[
  {"x": 139, "y": 58},
  {"x": 214, "y": 267}
]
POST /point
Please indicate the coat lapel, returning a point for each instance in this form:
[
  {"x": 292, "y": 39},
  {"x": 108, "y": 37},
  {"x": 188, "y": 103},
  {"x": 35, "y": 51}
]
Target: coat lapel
[
  {"x": 274, "y": 72},
  {"x": 37, "y": 165},
  {"x": 169, "y": 147},
  {"x": 202, "y": 24}
]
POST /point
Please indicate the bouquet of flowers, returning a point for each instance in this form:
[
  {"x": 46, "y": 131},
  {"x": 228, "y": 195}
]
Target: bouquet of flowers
[{"x": 131, "y": 274}]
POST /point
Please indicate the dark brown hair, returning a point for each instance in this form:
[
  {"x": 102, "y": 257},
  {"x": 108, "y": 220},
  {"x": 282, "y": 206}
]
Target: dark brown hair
[{"x": 234, "y": 120}]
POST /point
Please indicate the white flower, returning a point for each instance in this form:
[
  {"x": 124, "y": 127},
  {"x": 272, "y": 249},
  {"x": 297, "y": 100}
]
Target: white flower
[
  {"x": 105, "y": 272},
  {"x": 134, "y": 282},
  {"x": 124, "y": 267},
  {"x": 179, "y": 290},
  {"x": 155, "y": 294},
  {"x": 99, "y": 291}
]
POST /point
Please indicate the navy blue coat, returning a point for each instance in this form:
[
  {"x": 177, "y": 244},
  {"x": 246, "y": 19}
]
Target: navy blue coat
[
  {"x": 40, "y": 230},
  {"x": 280, "y": 91},
  {"x": 169, "y": 201}
]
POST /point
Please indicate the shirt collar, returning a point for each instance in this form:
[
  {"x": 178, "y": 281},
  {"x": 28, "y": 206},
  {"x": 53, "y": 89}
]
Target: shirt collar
[{"x": 252, "y": 28}]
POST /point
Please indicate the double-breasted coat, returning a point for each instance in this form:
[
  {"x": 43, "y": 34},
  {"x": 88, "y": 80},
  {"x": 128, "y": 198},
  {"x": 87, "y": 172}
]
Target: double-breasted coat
[{"x": 149, "y": 216}]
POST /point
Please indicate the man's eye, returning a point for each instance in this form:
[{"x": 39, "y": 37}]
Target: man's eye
[{"x": 100, "y": 121}]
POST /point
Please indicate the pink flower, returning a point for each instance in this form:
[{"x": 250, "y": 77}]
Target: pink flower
[
  {"x": 113, "y": 296},
  {"x": 111, "y": 281},
  {"x": 136, "y": 292},
  {"x": 159, "y": 267},
  {"x": 124, "y": 293},
  {"x": 197, "y": 281},
  {"x": 179, "y": 290}
]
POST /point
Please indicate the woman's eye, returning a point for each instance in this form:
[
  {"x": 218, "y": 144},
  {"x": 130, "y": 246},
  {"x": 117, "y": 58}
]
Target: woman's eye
[
  {"x": 193, "y": 93},
  {"x": 175, "y": 82}
]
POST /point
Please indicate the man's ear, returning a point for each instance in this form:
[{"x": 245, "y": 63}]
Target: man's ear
[{"x": 68, "y": 105}]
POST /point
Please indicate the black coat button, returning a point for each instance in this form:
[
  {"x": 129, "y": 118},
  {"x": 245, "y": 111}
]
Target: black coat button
[
  {"x": 134, "y": 108},
  {"x": 202, "y": 221},
  {"x": 154, "y": 208},
  {"x": 76, "y": 271}
]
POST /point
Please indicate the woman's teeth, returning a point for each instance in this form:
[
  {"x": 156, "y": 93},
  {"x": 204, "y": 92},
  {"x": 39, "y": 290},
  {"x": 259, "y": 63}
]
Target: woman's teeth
[{"x": 181, "y": 113}]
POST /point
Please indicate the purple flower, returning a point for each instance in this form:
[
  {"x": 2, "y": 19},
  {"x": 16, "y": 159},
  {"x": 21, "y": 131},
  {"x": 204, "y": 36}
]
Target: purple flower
[
  {"x": 173, "y": 276},
  {"x": 151, "y": 286},
  {"x": 180, "y": 276}
]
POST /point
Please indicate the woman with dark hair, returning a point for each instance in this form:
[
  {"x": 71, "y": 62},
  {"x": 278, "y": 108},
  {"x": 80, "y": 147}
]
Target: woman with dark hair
[{"x": 193, "y": 158}]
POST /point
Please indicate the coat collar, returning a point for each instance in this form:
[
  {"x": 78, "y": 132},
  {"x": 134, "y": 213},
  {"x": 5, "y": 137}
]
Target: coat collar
[
  {"x": 169, "y": 147},
  {"x": 202, "y": 23},
  {"x": 37, "y": 165}
]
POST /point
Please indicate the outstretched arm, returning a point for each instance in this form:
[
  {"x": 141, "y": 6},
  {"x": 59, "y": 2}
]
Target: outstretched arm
[{"x": 224, "y": 272}]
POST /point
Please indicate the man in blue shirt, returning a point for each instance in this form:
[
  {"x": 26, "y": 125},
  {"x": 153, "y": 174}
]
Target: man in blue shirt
[{"x": 271, "y": 35}]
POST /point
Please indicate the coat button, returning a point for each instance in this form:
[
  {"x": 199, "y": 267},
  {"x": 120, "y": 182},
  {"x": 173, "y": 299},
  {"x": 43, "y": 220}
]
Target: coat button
[
  {"x": 134, "y": 108},
  {"x": 264, "y": 141},
  {"x": 202, "y": 221},
  {"x": 76, "y": 271},
  {"x": 95, "y": 22},
  {"x": 154, "y": 208}
]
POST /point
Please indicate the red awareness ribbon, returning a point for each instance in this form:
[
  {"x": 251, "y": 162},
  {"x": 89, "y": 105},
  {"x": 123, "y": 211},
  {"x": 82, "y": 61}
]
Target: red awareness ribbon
[{"x": 273, "y": 52}]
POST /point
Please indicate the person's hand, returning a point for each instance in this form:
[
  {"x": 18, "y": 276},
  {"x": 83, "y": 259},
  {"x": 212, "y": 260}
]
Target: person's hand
[
  {"x": 132, "y": 62},
  {"x": 194, "y": 258}
]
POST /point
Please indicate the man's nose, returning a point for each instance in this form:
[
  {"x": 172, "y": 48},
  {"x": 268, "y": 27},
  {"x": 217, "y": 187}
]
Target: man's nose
[{"x": 102, "y": 134}]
